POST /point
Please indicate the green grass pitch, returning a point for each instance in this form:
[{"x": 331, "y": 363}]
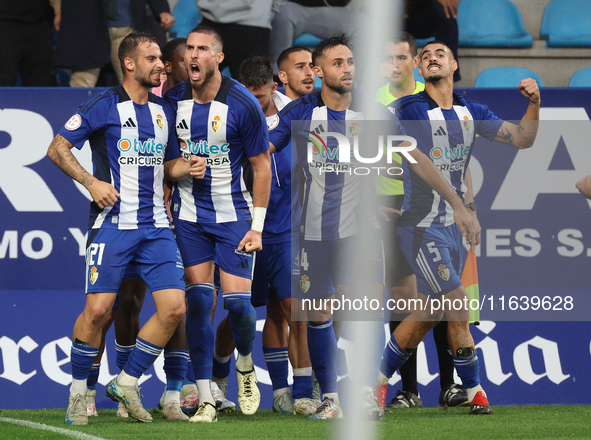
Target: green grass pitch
[{"x": 509, "y": 422}]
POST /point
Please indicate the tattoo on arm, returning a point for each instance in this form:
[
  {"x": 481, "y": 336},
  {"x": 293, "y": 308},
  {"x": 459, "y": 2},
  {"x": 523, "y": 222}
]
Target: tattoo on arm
[
  {"x": 59, "y": 152},
  {"x": 504, "y": 135}
]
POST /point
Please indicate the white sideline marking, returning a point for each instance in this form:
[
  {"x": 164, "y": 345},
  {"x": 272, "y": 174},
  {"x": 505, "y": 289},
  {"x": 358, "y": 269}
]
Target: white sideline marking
[{"x": 66, "y": 432}]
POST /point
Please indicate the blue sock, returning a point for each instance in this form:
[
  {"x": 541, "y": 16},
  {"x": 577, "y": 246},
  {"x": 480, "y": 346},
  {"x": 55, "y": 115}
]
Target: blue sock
[
  {"x": 190, "y": 379},
  {"x": 322, "y": 346},
  {"x": 123, "y": 352},
  {"x": 393, "y": 358},
  {"x": 175, "y": 367},
  {"x": 378, "y": 348},
  {"x": 302, "y": 387},
  {"x": 93, "y": 376},
  {"x": 199, "y": 329},
  {"x": 221, "y": 369},
  {"x": 277, "y": 361},
  {"x": 81, "y": 358},
  {"x": 243, "y": 320},
  {"x": 142, "y": 357},
  {"x": 468, "y": 369}
]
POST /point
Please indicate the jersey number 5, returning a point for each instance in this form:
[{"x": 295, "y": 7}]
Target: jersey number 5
[{"x": 434, "y": 250}]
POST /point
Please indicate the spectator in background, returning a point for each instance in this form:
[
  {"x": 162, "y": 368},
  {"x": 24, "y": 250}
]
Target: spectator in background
[
  {"x": 321, "y": 18},
  {"x": 125, "y": 16},
  {"x": 26, "y": 32},
  {"x": 434, "y": 18},
  {"x": 83, "y": 43},
  {"x": 244, "y": 27}
]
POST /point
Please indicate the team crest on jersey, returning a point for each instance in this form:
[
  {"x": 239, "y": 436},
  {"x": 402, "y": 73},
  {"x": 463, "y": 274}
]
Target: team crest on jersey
[
  {"x": 305, "y": 283},
  {"x": 160, "y": 121},
  {"x": 216, "y": 124},
  {"x": 93, "y": 275},
  {"x": 354, "y": 129},
  {"x": 443, "y": 272},
  {"x": 467, "y": 123}
]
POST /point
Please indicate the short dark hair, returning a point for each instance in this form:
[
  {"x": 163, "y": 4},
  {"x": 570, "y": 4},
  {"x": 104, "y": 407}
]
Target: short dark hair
[
  {"x": 329, "y": 43},
  {"x": 130, "y": 44},
  {"x": 438, "y": 42},
  {"x": 255, "y": 72},
  {"x": 170, "y": 47},
  {"x": 210, "y": 31},
  {"x": 405, "y": 37},
  {"x": 283, "y": 56}
]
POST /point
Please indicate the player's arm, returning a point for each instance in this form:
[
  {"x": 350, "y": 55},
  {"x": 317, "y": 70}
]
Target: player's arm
[
  {"x": 471, "y": 205},
  {"x": 584, "y": 186},
  {"x": 523, "y": 135},
  {"x": 261, "y": 189},
  {"x": 59, "y": 151},
  {"x": 427, "y": 171},
  {"x": 180, "y": 168}
]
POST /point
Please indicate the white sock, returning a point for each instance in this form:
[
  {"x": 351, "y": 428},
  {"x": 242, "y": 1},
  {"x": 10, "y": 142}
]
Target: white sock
[
  {"x": 472, "y": 392},
  {"x": 382, "y": 379},
  {"x": 306, "y": 371},
  {"x": 78, "y": 387},
  {"x": 221, "y": 359},
  {"x": 205, "y": 391},
  {"x": 280, "y": 391},
  {"x": 125, "y": 380},
  {"x": 333, "y": 396},
  {"x": 172, "y": 395},
  {"x": 244, "y": 363}
]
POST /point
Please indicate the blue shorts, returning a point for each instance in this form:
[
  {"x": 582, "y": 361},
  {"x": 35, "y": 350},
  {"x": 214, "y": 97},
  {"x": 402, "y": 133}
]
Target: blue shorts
[
  {"x": 202, "y": 242},
  {"x": 326, "y": 264},
  {"x": 272, "y": 277},
  {"x": 153, "y": 252},
  {"x": 436, "y": 255}
]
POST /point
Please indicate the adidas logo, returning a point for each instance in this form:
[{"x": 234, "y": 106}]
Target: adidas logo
[
  {"x": 182, "y": 125},
  {"x": 129, "y": 124},
  {"x": 319, "y": 129},
  {"x": 440, "y": 132},
  {"x": 243, "y": 264}
]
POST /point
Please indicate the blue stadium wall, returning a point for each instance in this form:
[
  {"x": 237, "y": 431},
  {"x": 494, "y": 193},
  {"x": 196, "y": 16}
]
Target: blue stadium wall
[{"x": 536, "y": 240}]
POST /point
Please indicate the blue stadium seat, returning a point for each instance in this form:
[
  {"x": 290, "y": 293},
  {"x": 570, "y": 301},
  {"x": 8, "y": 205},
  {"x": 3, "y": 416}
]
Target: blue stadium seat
[
  {"x": 567, "y": 23},
  {"x": 306, "y": 40},
  {"x": 505, "y": 77},
  {"x": 186, "y": 17},
  {"x": 491, "y": 23},
  {"x": 581, "y": 78}
]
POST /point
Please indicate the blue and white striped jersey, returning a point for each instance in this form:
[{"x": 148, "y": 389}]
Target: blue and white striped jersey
[
  {"x": 330, "y": 199},
  {"x": 278, "y": 220},
  {"x": 130, "y": 143},
  {"x": 447, "y": 137},
  {"x": 226, "y": 131}
]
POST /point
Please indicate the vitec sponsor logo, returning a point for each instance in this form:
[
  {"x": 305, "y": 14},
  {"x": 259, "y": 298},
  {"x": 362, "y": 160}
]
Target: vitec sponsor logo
[
  {"x": 459, "y": 152},
  {"x": 202, "y": 148},
  {"x": 149, "y": 147}
]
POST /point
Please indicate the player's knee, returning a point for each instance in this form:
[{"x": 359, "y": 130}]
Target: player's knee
[
  {"x": 97, "y": 314},
  {"x": 200, "y": 298},
  {"x": 238, "y": 306}
]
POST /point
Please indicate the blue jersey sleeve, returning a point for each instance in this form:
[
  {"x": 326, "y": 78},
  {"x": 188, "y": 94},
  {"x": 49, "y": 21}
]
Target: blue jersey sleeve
[
  {"x": 280, "y": 135},
  {"x": 253, "y": 126},
  {"x": 90, "y": 117},
  {"x": 172, "y": 147},
  {"x": 487, "y": 123}
]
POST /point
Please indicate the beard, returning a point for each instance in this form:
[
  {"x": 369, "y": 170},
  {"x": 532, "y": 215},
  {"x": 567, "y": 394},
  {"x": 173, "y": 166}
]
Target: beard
[
  {"x": 147, "y": 82},
  {"x": 434, "y": 78},
  {"x": 206, "y": 79},
  {"x": 339, "y": 88},
  {"x": 300, "y": 89}
]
